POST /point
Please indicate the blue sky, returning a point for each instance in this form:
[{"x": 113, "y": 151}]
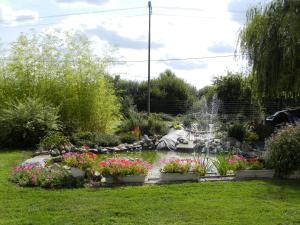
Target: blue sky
[{"x": 180, "y": 29}]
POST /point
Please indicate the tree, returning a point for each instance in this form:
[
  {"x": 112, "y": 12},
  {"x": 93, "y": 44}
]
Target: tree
[
  {"x": 169, "y": 94},
  {"x": 270, "y": 41},
  {"x": 234, "y": 91}
]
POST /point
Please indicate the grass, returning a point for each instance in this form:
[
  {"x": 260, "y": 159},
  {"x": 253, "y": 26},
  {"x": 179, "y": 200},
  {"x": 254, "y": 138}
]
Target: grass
[{"x": 245, "y": 202}]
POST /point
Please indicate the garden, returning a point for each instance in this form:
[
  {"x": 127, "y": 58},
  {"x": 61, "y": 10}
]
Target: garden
[{"x": 77, "y": 147}]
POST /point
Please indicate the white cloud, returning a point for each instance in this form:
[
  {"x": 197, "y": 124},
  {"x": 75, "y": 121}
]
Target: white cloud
[
  {"x": 176, "y": 33},
  {"x": 11, "y": 17}
]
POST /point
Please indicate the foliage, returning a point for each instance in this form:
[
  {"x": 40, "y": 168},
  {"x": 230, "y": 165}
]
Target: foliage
[
  {"x": 263, "y": 131},
  {"x": 154, "y": 126},
  {"x": 83, "y": 161},
  {"x": 141, "y": 123},
  {"x": 270, "y": 40},
  {"x": 251, "y": 136},
  {"x": 222, "y": 164},
  {"x": 234, "y": 91},
  {"x": 115, "y": 167},
  {"x": 24, "y": 123},
  {"x": 283, "y": 150},
  {"x": 128, "y": 137},
  {"x": 62, "y": 70},
  {"x": 176, "y": 166},
  {"x": 237, "y": 162},
  {"x": 198, "y": 165},
  {"x": 94, "y": 139},
  {"x": 169, "y": 94},
  {"x": 237, "y": 130},
  {"x": 254, "y": 164},
  {"x": 53, "y": 140},
  {"x": 32, "y": 175}
]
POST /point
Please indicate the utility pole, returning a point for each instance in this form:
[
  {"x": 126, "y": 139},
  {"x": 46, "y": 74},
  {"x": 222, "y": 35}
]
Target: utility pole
[{"x": 149, "y": 47}]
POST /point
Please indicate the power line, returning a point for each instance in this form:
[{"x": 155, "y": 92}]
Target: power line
[
  {"x": 55, "y": 23},
  {"x": 76, "y": 14},
  {"x": 146, "y": 60},
  {"x": 197, "y": 9}
]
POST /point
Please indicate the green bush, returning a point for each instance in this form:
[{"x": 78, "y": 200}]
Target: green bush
[
  {"x": 237, "y": 131},
  {"x": 251, "y": 136},
  {"x": 150, "y": 125},
  {"x": 52, "y": 141},
  {"x": 128, "y": 138},
  {"x": 283, "y": 150},
  {"x": 262, "y": 130},
  {"x": 154, "y": 126},
  {"x": 25, "y": 123},
  {"x": 92, "y": 139}
]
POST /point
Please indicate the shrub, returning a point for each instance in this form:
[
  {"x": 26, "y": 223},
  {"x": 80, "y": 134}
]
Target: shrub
[
  {"x": 154, "y": 126},
  {"x": 92, "y": 139},
  {"x": 123, "y": 167},
  {"x": 52, "y": 177},
  {"x": 263, "y": 131},
  {"x": 128, "y": 138},
  {"x": 25, "y": 123},
  {"x": 283, "y": 150},
  {"x": 237, "y": 131},
  {"x": 52, "y": 141},
  {"x": 251, "y": 136},
  {"x": 140, "y": 123}
]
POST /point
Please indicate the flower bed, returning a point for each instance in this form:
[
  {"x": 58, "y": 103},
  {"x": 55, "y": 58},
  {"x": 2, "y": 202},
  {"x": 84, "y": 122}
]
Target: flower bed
[
  {"x": 124, "y": 170},
  {"x": 48, "y": 177}
]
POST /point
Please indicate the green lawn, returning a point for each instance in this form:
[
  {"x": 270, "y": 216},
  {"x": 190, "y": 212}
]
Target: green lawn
[{"x": 248, "y": 202}]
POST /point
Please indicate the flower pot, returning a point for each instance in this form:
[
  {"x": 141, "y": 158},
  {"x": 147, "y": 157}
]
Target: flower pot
[
  {"x": 132, "y": 179},
  {"x": 252, "y": 174},
  {"x": 77, "y": 173},
  {"x": 179, "y": 177}
]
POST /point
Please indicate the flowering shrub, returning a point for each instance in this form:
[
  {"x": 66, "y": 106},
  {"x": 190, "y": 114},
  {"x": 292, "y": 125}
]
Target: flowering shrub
[
  {"x": 115, "y": 167},
  {"x": 237, "y": 162},
  {"x": 80, "y": 160},
  {"x": 26, "y": 175},
  {"x": 56, "y": 178},
  {"x": 33, "y": 175}
]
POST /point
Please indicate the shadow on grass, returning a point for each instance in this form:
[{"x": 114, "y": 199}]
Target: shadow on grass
[{"x": 279, "y": 189}]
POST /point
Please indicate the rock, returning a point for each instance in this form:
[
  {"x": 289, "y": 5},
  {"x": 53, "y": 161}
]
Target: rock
[
  {"x": 54, "y": 152},
  {"x": 93, "y": 150},
  {"x": 37, "y": 160}
]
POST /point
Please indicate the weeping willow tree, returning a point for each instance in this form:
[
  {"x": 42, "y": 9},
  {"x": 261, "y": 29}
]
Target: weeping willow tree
[{"x": 270, "y": 40}]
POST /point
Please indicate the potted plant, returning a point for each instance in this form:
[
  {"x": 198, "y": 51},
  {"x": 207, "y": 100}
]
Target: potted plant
[
  {"x": 121, "y": 170},
  {"x": 254, "y": 169},
  {"x": 79, "y": 163},
  {"x": 182, "y": 170}
]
